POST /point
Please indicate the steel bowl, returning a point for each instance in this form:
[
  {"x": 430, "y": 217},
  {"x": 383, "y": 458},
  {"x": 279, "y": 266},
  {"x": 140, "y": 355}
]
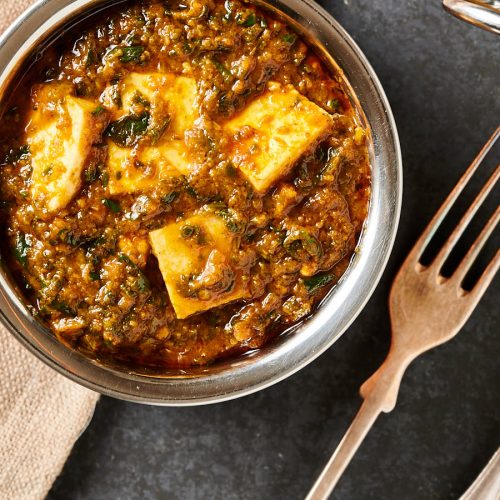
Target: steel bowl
[{"x": 297, "y": 347}]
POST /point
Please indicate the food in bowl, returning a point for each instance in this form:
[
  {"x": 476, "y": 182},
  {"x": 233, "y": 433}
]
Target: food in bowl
[{"x": 179, "y": 182}]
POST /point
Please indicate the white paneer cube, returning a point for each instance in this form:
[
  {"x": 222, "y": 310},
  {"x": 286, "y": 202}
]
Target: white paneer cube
[
  {"x": 139, "y": 169},
  {"x": 60, "y": 136},
  {"x": 195, "y": 261},
  {"x": 273, "y": 132},
  {"x": 180, "y": 92}
]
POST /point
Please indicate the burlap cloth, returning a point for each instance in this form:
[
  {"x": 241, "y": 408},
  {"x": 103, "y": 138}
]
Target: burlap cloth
[{"x": 42, "y": 414}]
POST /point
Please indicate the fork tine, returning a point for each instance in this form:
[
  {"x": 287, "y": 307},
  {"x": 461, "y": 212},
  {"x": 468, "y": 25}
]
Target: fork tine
[
  {"x": 465, "y": 220},
  {"x": 484, "y": 281},
  {"x": 476, "y": 247},
  {"x": 436, "y": 221}
]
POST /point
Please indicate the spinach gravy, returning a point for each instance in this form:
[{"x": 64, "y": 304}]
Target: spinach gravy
[{"x": 179, "y": 182}]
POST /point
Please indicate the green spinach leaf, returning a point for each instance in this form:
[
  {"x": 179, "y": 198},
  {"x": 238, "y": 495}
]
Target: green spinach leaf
[
  {"x": 62, "y": 307},
  {"x": 314, "y": 283},
  {"x": 289, "y": 38},
  {"x": 114, "y": 206},
  {"x": 169, "y": 198},
  {"x": 132, "y": 54},
  {"x": 21, "y": 249},
  {"x": 127, "y": 131}
]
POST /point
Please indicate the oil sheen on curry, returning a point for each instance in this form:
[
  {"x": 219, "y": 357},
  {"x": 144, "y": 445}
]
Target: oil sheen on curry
[{"x": 179, "y": 182}]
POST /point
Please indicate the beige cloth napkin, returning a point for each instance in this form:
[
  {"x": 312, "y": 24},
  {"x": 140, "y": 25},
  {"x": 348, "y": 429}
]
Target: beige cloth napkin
[{"x": 42, "y": 413}]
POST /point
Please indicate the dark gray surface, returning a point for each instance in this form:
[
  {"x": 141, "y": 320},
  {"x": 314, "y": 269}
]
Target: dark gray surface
[{"x": 442, "y": 78}]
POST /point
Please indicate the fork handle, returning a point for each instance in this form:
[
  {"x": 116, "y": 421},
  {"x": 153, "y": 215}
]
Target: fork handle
[
  {"x": 379, "y": 393},
  {"x": 383, "y": 385}
]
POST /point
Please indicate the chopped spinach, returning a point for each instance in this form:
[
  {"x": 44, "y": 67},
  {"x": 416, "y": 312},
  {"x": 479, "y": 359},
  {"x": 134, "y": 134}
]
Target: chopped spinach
[
  {"x": 99, "y": 241},
  {"x": 289, "y": 38},
  {"x": 314, "y": 283},
  {"x": 187, "y": 48},
  {"x": 76, "y": 240},
  {"x": 247, "y": 21},
  {"x": 140, "y": 99},
  {"x": 127, "y": 131},
  {"x": 112, "y": 205},
  {"x": 302, "y": 239},
  {"x": 191, "y": 191},
  {"x": 99, "y": 110},
  {"x": 132, "y": 54},
  {"x": 91, "y": 58},
  {"x": 233, "y": 226},
  {"x": 94, "y": 275},
  {"x": 169, "y": 198},
  {"x": 92, "y": 172},
  {"x": 104, "y": 178},
  {"x": 127, "y": 260},
  {"x": 188, "y": 231},
  {"x": 21, "y": 249},
  {"x": 334, "y": 104},
  {"x": 156, "y": 133},
  {"x": 330, "y": 164},
  {"x": 62, "y": 307},
  {"x": 142, "y": 282},
  {"x": 231, "y": 223},
  {"x": 222, "y": 69},
  {"x": 70, "y": 237}
]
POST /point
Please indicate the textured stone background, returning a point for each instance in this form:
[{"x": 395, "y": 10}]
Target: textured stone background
[{"x": 442, "y": 78}]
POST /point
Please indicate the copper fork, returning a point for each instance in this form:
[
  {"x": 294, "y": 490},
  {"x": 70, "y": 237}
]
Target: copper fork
[{"x": 426, "y": 310}]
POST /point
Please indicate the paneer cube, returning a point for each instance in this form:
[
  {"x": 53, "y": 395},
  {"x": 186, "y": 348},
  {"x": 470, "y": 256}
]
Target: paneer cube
[
  {"x": 273, "y": 132},
  {"x": 195, "y": 261},
  {"x": 180, "y": 92},
  {"x": 60, "y": 136},
  {"x": 139, "y": 169}
]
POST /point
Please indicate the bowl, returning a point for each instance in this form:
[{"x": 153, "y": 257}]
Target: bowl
[{"x": 291, "y": 351}]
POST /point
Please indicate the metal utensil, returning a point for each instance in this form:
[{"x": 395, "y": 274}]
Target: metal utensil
[
  {"x": 232, "y": 377},
  {"x": 487, "y": 484},
  {"x": 426, "y": 310},
  {"x": 484, "y": 14}
]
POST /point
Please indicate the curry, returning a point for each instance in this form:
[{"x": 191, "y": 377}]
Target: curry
[{"x": 179, "y": 182}]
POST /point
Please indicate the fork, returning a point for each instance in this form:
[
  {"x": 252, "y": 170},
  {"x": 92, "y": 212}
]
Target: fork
[{"x": 426, "y": 310}]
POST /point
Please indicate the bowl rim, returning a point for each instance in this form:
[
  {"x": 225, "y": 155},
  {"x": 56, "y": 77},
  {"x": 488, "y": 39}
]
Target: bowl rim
[{"x": 284, "y": 355}]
